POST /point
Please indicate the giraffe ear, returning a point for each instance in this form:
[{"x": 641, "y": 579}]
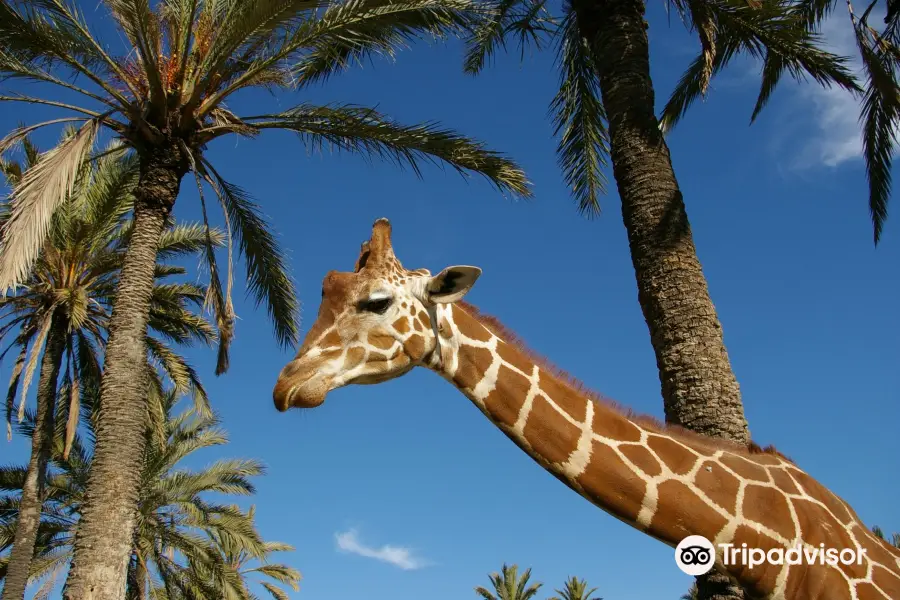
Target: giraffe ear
[{"x": 451, "y": 284}]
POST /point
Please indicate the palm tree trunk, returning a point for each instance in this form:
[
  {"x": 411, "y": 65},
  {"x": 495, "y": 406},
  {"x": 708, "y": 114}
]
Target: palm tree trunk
[
  {"x": 699, "y": 388},
  {"x": 32, "y": 502},
  {"x": 103, "y": 542}
]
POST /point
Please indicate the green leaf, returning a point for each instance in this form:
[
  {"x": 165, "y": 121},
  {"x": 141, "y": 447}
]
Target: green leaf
[
  {"x": 367, "y": 132},
  {"x": 580, "y": 119},
  {"x": 268, "y": 277}
]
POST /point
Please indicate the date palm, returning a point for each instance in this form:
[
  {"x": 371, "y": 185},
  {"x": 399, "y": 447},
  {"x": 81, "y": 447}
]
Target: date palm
[
  {"x": 576, "y": 589},
  {"x": 605, "y": 111},
  {"x": 178, "y": 539},
  {"x": 237, "y": 565},
  {"x": 691, "y": 594},
  {"x": 879, "y": 51},
  {"x": 894, "y": 540},
  {"x": 60, "y": 314},
  {"x": 508, "y": 585},
  {"x": 164, "y": 95}
]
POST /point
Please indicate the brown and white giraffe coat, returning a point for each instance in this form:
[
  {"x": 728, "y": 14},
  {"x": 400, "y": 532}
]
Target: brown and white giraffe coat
[{"x": 381, "y": 320}]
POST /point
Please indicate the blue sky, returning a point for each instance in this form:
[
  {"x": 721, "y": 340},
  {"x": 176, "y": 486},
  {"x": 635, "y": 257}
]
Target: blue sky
[{"x": 404, "y": 489}]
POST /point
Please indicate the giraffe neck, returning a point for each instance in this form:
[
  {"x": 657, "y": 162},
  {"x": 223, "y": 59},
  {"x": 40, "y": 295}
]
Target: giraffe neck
[
  {"x": 667, "y": 485},
  {"x": 551, "y": 421}
]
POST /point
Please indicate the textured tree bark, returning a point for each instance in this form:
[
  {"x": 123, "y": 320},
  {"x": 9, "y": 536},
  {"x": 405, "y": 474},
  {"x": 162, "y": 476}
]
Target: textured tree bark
[
  {"x": 699, "y": 389},
  {"x": 32, "y": 501},
  {"x": 103, "y": 543},
  {"x": 698, "y": 386}
]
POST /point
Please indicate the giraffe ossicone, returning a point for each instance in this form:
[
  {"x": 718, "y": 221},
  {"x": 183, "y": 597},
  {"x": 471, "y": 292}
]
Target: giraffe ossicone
[{"x": 381, "y": 320}]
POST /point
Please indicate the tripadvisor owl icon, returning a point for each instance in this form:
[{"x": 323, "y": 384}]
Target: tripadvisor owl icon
[{"x": 695, "y": 555}]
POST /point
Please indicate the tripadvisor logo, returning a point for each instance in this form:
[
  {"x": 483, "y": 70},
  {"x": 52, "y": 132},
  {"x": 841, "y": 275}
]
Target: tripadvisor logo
[{"x": 696, "y": 555}]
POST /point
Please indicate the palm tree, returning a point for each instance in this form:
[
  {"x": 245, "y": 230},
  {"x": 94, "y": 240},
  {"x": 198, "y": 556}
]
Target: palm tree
[
  {"x": 61, "y": 313},
  {"x": 605, "y": 110},
  {"x": 894, "y": 539},
  {"x": 880, "y": 110},
  {"x": 178, "y": 540},
  {"x": 576, "y": 589},
  {"x": 242, "y": 565},
  {"x": 509, "y": 586},
  {"x": 165, "y": 98}
]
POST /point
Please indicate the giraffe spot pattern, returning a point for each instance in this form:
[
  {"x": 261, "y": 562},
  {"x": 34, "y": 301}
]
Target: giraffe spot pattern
[
  {"x": 550, "y": 433},
  {"x": 816, "y": 490},
  {"x": 877, "y": 550},
  {"x": 514, "y": 358},
  {"x": 401, "y": 325},
  {"x": 867, "y": 591},
  {"x": 887, "y": 581},
  {"x": 684, "y": 513},
  {"x": 381, "y": 341},
  {"x": 744, "y": 468},
  {"x": 332, "y": 338},
  {"x": 355, "y": 356},
  {"x": 445, "y": 330},
  {"x": 806, "y": 582},
  {"x": 761, "y": 577},
  {"x": 472, "y": 367},
  {"x": 718, "y": 484},
  {"x": 679, "y": 459},
  {"x": 564, "y": 397},
  {"x": 784, "y": 482},
  {"x": 607, "y": 471},
  {"x": 642, "y": 459},
  {"x": 764, "y": 504},
  {"x": 415, "y": 347},
  {"x": 612, "y": 426},
  {"x": 504, "y": 404}
]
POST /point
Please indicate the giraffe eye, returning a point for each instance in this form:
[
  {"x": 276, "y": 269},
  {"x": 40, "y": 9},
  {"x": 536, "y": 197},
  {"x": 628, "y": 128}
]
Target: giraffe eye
[{"x": 378, "y": 306}]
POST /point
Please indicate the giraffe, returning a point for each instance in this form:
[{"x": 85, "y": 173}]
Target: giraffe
[{"x": 381, "y": 320}]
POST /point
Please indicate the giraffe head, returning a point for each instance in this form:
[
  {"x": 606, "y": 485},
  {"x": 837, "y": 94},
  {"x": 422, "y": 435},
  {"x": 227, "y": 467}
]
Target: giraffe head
[{"x": 374, "y": 324}]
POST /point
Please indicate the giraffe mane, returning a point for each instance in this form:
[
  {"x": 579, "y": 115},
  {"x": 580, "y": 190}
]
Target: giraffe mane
[{"x": 495, "y": 326}]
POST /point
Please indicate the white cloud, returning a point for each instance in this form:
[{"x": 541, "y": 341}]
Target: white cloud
[
  {"x": 837, "y": 137},
  {"x": 348, "y": 541}
]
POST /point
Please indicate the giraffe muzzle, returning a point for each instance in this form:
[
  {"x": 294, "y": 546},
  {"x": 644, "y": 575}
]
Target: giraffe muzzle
[{"x": 296, "y": 389}]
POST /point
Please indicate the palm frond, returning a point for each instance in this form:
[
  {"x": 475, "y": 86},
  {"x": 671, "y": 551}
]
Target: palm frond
[
  {"x": 188, "y": 238},
  {"x": 527, "y": 19},
  {"x": 367, "y": 132},
  {"x": 14, "y": 383},
  {"x": 73, "y": 416},
  {"x": 880, "y": 118},
  {"x": 181, "y": 374},
  {"x": 141, "y": 25},
  {"x": 691, "y": 85},
  {"x": 42, "y": 190},
  {"x": 352, "y": 30},
  {"x": 580, "y": 119},
  {"x": 276, "y": 592},
  {"x": 221, "y": 305},
  {"x": 345, "y": 33},
  {"x": 761, "y": 30},
  {"x": 281, "y": 573},
  {"x": 36, "y": 350},
  {"x": 267, "y": 275}
]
